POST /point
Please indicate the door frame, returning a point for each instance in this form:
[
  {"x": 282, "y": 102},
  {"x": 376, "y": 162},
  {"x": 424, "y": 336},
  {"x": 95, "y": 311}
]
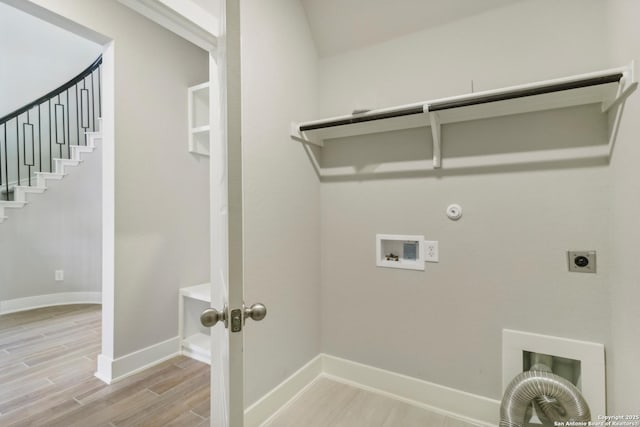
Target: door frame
[
  {"x": 182, "y": 17},
  {"x": 106, "y": 356},
  {"x": 219, "y": 37}
]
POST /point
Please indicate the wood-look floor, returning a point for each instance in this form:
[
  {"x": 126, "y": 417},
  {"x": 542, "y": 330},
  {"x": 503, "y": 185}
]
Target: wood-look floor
[
  {"x": 331, "y": 403},
  {"x": 47, "y": 365}
]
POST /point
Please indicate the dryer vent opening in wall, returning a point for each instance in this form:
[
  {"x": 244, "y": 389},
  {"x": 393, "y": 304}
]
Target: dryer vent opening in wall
[
  {"x": 569, "y": 369},
  {"x": 581, "y": 363},
  {"x": 400, "y": 251}
]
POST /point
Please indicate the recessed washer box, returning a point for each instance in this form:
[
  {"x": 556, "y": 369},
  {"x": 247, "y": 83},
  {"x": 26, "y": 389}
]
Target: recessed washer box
[{"x": 400, "y": 251}]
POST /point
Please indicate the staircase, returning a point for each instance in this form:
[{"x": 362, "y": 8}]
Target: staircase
[
  {"x": 44, "y": 140},
  {"x": 62, "y": 166}
]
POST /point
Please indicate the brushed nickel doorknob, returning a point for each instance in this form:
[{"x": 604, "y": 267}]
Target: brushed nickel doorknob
[
  {"x": 256, "y": 312},
  {"x": 211, "y": 316}
]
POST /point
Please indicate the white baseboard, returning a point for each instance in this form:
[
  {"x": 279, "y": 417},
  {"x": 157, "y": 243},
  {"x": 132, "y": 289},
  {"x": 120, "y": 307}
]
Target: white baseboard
[
  {"x": 265, "y": 408},
  {"x": 38, "y": 301},
  {"x": 194, "y": 354},
  {"x": 434, "y": 397},
  {"x": 103, "y": 372},
  {"x": 449, "y": 401},
  {"x": 113, "y": 370}
]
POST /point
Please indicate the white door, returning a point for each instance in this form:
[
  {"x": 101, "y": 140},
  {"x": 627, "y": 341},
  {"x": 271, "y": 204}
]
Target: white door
[{"x": 228, "y": 313}]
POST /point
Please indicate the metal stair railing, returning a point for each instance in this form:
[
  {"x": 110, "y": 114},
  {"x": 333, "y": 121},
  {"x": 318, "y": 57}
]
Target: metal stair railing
[{"x": 34, "y": 135}]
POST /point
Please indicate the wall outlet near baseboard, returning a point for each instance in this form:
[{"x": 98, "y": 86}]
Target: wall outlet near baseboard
[{"x": 59, "y": 275}]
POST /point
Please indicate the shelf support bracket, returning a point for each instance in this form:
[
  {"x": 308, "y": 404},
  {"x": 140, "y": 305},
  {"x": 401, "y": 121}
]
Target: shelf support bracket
[
  {"x": 437, "y": 137},
  {"x": 302, "y": 137},
  {"x": 627, "y": 87}
]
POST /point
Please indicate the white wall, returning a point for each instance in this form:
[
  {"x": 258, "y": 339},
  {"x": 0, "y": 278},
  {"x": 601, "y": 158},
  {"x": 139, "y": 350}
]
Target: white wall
[
  {"x": 37, "y": 57},
  {"x": 281, "y": 193},
  {"x": 622, "y": 357},
  {"x": 161, "y": 190},
  {"x": 449, "y": 318},
  {"x": 211, "y": 6},
  {"x": 58, "y": 230},
  {"x": 529, "y": 41},
  {"x": 503, "y": 265}
]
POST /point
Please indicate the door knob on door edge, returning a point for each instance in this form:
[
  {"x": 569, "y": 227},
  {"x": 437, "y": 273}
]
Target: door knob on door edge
[
  {"x": 257, "y": 312},
  {"x": 211, "y": 316}
]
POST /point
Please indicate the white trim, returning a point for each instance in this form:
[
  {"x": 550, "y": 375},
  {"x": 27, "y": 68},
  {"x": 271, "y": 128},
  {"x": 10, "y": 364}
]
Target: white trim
[
  {"x": 280, "y": 396},
  {"x": 104, "y": 366},
  {"x": 107, "y": 128},
  {"x": 62, "y": 298},
  {"x": 198, "y": 347},
  {"x": 447, "y": 401},
  {"x": 435, "y": 397},
  {"x": 185, "y": 18},
  {"x": 113, "y": 370}
]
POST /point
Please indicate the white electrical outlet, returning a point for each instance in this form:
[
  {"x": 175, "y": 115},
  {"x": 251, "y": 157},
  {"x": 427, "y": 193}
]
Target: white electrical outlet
[
  {"x": 59, "y": 275},
  {"x": 431, "y": 251}
]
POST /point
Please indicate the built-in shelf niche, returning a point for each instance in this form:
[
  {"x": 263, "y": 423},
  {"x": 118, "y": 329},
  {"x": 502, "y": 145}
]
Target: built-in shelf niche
[
  {"x": 195, "y": 341},
  {"x": 199, "y": 126},
  {"x": 400, "y": 251}
]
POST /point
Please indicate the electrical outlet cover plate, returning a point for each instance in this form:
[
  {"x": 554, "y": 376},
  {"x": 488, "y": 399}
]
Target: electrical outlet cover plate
[
  {"x": 582, "y": 261},
  {"x": 431, "y": 251}
]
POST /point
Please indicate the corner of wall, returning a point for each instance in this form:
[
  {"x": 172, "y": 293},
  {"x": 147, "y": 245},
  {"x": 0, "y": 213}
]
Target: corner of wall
[{"x": 623, "y": 377}]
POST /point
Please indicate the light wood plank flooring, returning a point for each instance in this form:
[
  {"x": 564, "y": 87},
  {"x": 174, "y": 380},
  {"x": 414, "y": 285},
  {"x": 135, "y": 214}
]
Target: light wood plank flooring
[
  {"x": 47, "y": 362},
  {"x": 48, "y": 358},
  {"x": 330, "y": 403}
]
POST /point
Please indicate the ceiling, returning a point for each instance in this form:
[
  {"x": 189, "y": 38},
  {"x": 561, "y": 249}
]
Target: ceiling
[{"x": 341, "y": 25}]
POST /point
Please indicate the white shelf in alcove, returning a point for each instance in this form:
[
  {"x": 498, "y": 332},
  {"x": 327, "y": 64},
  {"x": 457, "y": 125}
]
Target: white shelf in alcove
[
  {"x": 197, "y": 346},
  {"x": 435, "y": 113},
  {"x": 200, "y": 292},
  {"x": 200, "y": 129},
  {"x": 198, "y": 111},
  {"x": 194, "y": 342}
]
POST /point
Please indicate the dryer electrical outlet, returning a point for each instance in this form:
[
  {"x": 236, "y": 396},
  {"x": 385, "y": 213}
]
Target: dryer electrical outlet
[{"x": 582, "y": 261}]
